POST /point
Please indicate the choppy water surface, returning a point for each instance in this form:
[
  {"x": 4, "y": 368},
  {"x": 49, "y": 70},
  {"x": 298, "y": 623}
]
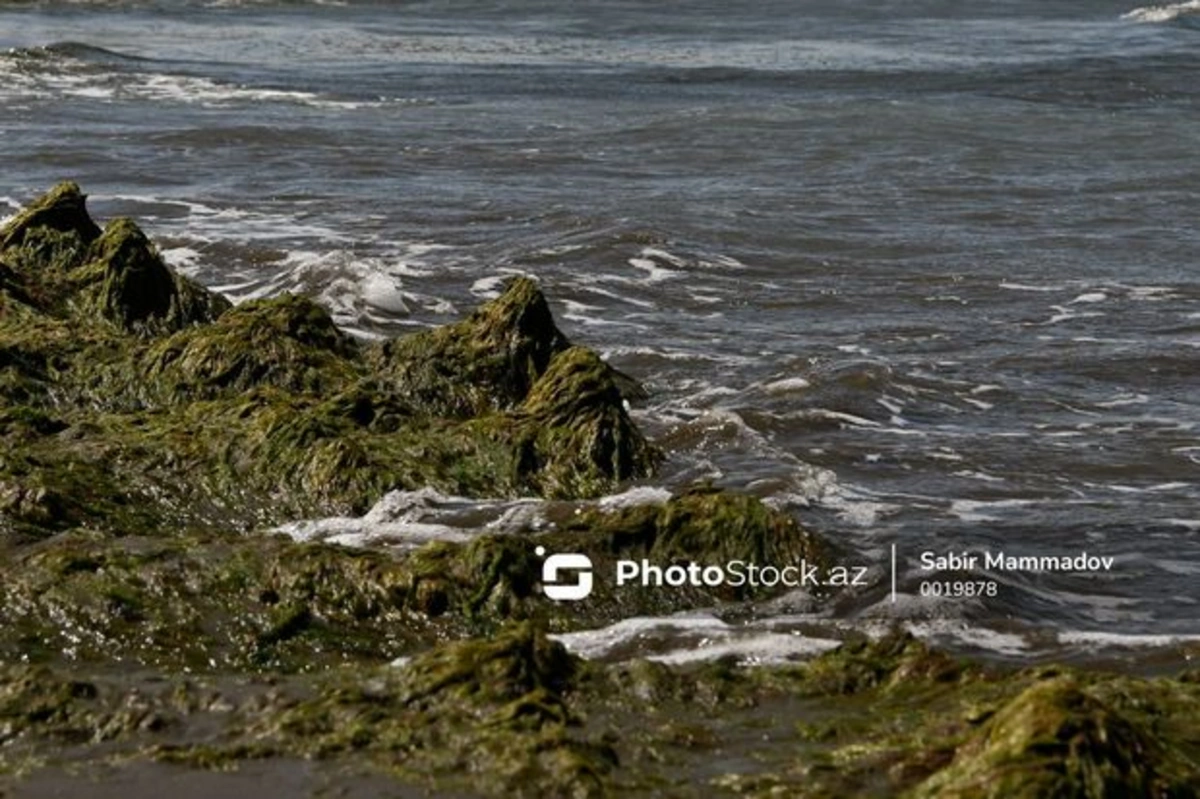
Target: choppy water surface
[{"x": 924, "y": 271}]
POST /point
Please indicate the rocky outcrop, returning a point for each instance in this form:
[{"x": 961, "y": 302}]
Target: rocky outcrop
[
  {"x": 125, "y": 282},
  {"x": 58, "y": 260},
  {"x": 234, "y": 418}
]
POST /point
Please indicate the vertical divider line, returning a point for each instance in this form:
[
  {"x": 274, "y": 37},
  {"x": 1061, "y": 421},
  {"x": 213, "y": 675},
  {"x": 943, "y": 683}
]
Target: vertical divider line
[{"x": 893, "y": 574}]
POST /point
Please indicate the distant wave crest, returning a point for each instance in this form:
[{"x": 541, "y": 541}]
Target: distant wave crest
[{"x": 1164, "y": 13}]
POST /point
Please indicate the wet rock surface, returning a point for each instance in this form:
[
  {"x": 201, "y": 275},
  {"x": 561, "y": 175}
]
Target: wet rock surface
[{"x": 151, "y": 625}]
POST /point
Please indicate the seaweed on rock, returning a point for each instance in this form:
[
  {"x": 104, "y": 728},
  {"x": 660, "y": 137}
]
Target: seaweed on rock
[
  {"x": 1058, "y": 738},
  {"x": 52, "y": 234},
  {"x": 288, "y": 342},
  {"x": 574, "y": 437},
  {"x": 514, "y": 714},
  {"x": 115, "y": 275},
  {"x": 125, "y": 282},
  {"x": 218, "y": 417},
  {"x": 489, "y": 361}
]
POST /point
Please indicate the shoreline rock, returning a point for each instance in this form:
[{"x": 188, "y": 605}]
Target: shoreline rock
[{"x": 514, "y": 714}]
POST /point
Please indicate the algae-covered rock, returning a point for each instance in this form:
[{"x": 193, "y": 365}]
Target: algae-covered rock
[
  {"x": 126, "y": 282},
  {"x": 576, "y": 438},
  {"x": 207, "y": 416},
  {"x": 51, "y": 233},
  {"x": 1057, "y": 739},
  {"x": 220, "y": 600},
  {"x": 497, "y": 577},
  {"x": 489, "y": 361},
  {"x": 514, "y": 714},
  {"x": 486, "y": 715},
  {"x": 63, "y": 258},
  {"x": 288, "y": 342},
  {"x": 217, "y": 602}
]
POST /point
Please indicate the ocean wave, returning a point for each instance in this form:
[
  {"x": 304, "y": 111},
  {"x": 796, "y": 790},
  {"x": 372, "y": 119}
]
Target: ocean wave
[
  {"x": 79, "y": 51},
  {"x": 1163, "y": 13},
  {"x": 79, "y": 70},
  {"x": 364, "y": 293}
]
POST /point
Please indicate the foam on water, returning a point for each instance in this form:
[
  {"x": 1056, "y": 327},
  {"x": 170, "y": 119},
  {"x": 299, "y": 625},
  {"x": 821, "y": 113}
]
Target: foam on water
[
  {"x": 1105, "y": 640},
  {"x": 1163, "y": 13},
  {"x": 973, "y": 636},
  {"x": 691, "y": 638},
  {"x": 759, "y": 649},
  {"x": 637, "y": 630},
  {"x": 407, "y": 519},
  {"x": 61, "y": 75},
  {"x": 634, "y": 497}
]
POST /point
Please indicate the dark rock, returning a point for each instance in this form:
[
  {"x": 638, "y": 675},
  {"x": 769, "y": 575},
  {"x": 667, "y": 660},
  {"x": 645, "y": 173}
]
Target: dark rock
[
  {"x": 489, "y": 361},
  {"x": 52, "y": 225},
  {"x": 127, "y": 283}
]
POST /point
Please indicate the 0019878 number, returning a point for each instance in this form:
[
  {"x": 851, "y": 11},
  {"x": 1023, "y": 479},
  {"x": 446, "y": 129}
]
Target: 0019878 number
[{"x": 959, "y": 588}]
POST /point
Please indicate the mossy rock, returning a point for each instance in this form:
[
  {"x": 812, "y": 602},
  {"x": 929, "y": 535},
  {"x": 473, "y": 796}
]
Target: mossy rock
[
  {"x": 288, "y": 342},
  {"x": 514, "y": 714},
  {"x": 206, "y": 603},
  {"x": 575, "y": 437},
  {"x": 494, "y": 707},
  {"x": 250, "y": 416},
  {"x": 1058, "y": 739},
  {"x": 489, "y": 361},
  {"x": 50, "y": 235},
  {"x": 62, "y": 259},
  {"x": 125, "y": 282}
]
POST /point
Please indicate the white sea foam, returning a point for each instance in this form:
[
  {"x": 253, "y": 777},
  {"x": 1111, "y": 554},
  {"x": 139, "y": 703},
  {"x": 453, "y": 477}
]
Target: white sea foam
[
  {"x": 1011, "y": 286},
  {"x": 970, "y": 511},
  {"x": 1123, "y": 400},
  {"x": 1064, "y": 314},
  {"x": 980, "y": 404},
  {"x": 691, "y": 638},
  {"x": 1152, "y": 293},
  {"x": 833, "y": 416},
  {"x": 71, "y": 77},
  {"x": 1163, "y": 13},
  {"x": 636, "y": 630},
  {"x": 760, "y": 649},
  {"x": 358, "y": 290},
  {"x": 972, "y": 635},
  {"x": 786, "y": 385},
  {"x": 636, "y": 496},
  {"x": 407, "y": 519},
  {"x": 1123, "y": 640}
]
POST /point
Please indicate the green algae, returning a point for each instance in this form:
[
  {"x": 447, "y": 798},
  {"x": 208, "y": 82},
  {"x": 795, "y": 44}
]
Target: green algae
[
  {"x": 65, "y": 261},
  {"x": 203, "y": 604},
  {"x": 234, "y": 418},
  {"x": 1072, "y": 736},
  {"x": 218, "y": 600},
  {"x": 287, "y": 342},
  {"x": 489, "y": 361},
  {"x": 575, "y": 409},
  {"x": 125, "y": 282},
  {"x": 515, "y": 714},
  {"x": 50, "y": 235}
]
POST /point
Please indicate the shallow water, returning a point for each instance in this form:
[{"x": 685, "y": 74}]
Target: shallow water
[{"x": 924, "y": 272}]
